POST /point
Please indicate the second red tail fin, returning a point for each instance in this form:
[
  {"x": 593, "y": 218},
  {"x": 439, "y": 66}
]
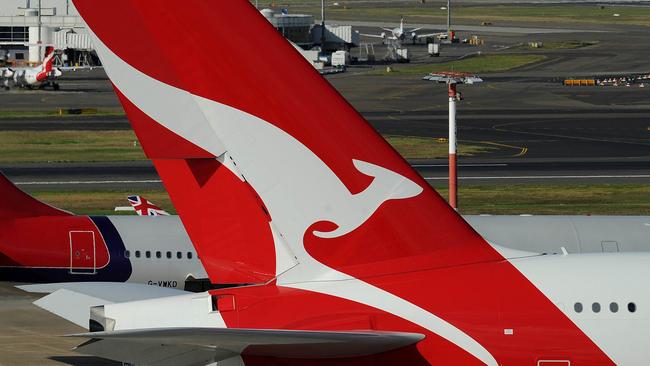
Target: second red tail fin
[{"x": 17, "y": 204}]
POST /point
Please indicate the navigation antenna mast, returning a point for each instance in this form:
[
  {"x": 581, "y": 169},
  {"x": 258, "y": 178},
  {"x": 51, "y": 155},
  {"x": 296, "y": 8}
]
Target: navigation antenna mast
[
  {"x": 322, "y": 25},
  {"x": 452, "y": 79},
  {"x": 448, "y": 15}
]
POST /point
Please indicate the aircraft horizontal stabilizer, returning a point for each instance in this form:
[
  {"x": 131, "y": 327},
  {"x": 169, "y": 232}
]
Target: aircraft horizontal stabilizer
[
  {"x": 164, "y": 345},
  {"x": 72, "y": 301},
  {"x": 110, "y": 291}
]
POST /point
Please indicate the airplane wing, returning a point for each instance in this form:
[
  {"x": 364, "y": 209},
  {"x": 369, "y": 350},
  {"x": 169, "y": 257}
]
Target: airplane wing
[
  {"x": 201, "y": 346},
  {"x": 180, "y": 341},
  {"x": 76, "y": 68},
  {"x": 414, "y": 30},
  {"x": 430, "y": 35},
  {"x": 372, "y": 35}
]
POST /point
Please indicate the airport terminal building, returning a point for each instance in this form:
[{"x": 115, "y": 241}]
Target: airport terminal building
[{"x": 26, "y": 28}]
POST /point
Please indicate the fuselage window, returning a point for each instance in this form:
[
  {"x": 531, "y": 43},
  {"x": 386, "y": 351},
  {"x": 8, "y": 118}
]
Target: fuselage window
[
  {"x": 613, "y": 307},
  {"x": 169, "y": 255},
  {"x": 189, "y": 255},
  {"x": 147, "y": 254},
  {"x": 631, "y": 307},
  {"x": 595, "y": 307},
  {"x": 158, "y": 254},
  {"x": 577, "y": 307},
  {"x": 137, "y": 254},
  {"x": 179, "y": 255},
  {"x": 127, "y": 254}
]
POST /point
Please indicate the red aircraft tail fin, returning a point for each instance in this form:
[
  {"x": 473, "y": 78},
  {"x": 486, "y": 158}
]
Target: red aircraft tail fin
[
  {"x": 17, "y": 204},
  {"x": 267, "y": 165},
  {"x": 48, "y": 60}
]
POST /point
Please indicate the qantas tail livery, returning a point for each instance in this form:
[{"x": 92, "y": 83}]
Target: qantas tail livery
[
  {"x": 46, "y": 66},
  {"x": 350, "y": 257}
]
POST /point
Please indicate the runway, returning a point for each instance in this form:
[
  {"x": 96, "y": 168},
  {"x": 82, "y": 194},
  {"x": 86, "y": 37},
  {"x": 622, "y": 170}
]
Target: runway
[
  {"x": 136, "y": 176},
  {"x": 523, "y": 146},
  {"x": 85, "y": 122},
  {"x": 504, "y": 133},
  {"x": 532, "y": 134}
]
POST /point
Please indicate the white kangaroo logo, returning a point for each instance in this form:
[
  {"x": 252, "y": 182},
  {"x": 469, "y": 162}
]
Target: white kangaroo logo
[{"x": 387, "y": 185}]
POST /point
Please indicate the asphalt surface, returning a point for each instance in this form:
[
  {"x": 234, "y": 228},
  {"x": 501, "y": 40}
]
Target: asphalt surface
[
  {"x": 534, "y": 129},
  {"x": 136, "y": 176},
  {"x": 30, "y": 336},
  {"x": 524, "y": 147},
  {"x": 85, "y": 122}
]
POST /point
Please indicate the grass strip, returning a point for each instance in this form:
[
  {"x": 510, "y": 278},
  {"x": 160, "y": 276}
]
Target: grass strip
[
  {"x": 69, "y": 146},
  {"x": 570, "y": 199},
  {"x": 593, "y": 199},
  {"x": 415, "y": 147},
  {"x": 475, "y": 64},
  {"x": 101, "y": 202},
  {"x": 496, "y": 15},
  {"x": 55, "y": 114},
  {"x": 104, "y": 146}
]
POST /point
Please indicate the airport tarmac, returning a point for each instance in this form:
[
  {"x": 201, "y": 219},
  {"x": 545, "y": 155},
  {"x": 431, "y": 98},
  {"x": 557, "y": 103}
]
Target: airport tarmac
[
  {"x": 141, "y": 175},
  {"x": 525, "y": 147},
  {"x": 30, "y": 336}
]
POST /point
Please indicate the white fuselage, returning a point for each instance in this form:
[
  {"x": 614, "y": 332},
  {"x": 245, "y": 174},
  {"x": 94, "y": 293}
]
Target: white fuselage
[
  {"x": 160, "y": 251},
  {"x": 612, "y": 292}
]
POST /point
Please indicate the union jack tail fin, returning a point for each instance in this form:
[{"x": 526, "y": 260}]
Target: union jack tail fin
[
  {"x": 145, "y": 207},
  {"x": 274, "y": 174},
  {"x": 17, "y": 204}
]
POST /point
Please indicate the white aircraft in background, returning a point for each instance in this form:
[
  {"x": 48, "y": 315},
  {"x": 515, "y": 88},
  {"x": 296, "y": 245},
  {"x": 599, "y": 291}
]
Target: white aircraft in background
[
  {"x": 28, "y": 77},
  {"x": 358, "y": 261},
  {"x": 40, "y": 76},
  {"x": 400, "y": 34}
]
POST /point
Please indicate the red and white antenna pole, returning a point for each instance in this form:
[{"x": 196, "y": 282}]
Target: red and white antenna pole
[
  {"x": 453, "y": 177},
  {"x": 452, "y": 79}
]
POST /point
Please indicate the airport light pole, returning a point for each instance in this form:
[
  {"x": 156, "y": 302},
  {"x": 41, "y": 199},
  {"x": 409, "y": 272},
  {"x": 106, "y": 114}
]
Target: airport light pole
[
  {"x": 452, "y": 79},
  {"x": 448, "y": 16}
]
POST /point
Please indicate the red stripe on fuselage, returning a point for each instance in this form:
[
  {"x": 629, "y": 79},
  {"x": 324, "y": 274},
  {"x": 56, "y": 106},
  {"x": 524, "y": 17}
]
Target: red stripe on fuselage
[
  {"x": 276, "y": 307},
  {"x": 44, "y": 242},
  {"x": 481, "y": 299}
]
